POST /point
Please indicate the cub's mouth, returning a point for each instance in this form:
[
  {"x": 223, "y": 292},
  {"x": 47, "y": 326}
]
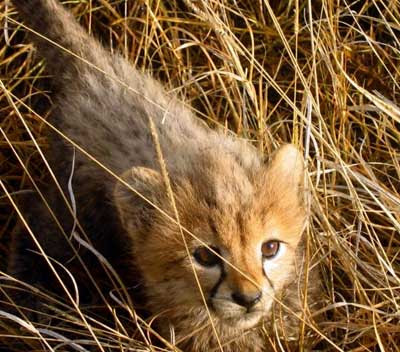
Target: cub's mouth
[
  {"x": 235, "y": 316},
  {"x": 243, "y": 321}
]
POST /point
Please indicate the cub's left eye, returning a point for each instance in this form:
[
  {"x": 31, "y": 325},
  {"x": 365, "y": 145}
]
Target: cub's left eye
[
  {"x": 270, "y": 249},
  {"x": 205, "y": 257}
]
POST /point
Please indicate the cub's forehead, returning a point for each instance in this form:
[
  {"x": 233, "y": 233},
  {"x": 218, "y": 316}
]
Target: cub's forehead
[
  {"x": 228, "y": 187},
  {"x": 231, "y": 226},
  {"x": 221, "y": 201},
  {"x": 233, "y": 190}
]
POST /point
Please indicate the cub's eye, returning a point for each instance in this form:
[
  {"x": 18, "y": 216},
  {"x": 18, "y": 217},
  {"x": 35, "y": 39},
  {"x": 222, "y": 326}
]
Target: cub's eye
[
  {"x": 270, "y": 249},
  {"x": 205, "y": 257}
]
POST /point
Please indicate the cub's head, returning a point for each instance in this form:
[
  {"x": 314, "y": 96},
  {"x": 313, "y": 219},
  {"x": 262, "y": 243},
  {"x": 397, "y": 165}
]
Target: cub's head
[{"x": 241, "y": 226}]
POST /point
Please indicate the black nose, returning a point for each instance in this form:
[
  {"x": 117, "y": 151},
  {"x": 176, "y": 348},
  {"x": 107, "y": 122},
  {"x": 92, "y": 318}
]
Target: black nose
[{"x": 246, "y": 300}]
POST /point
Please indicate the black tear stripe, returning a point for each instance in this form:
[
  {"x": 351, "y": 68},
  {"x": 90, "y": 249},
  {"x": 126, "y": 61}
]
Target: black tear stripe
[
  {"x": 219, "y": 282},
  {"x": 269, "y": 280}
]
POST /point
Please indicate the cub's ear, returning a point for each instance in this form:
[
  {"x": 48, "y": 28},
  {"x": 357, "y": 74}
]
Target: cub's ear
[
  {"x": 284, "y": 190},
  {"x": 287, "y": 165},
  {"x": 133, "y": 208},
  {"x": 284, "y": 177}
]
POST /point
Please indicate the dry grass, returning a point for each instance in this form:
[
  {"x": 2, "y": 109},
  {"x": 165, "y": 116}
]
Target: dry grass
[{"x": 322, "y": 74}]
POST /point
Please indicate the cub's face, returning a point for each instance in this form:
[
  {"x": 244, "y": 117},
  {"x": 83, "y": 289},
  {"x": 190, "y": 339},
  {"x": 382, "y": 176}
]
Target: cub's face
[
  {"x": 236, "y": 250},
  {"x": 241, "y": 262}
]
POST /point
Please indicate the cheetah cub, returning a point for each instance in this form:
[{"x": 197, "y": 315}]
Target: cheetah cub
[{"x": 242, "y": 218}]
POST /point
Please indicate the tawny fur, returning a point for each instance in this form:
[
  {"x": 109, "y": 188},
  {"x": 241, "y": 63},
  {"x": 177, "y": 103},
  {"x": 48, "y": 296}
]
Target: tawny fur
[{"x": 224, "y": 193}]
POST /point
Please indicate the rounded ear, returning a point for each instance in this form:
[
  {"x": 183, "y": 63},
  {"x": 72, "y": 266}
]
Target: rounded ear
[
  {"x": 135, "y": 208},
  {"x": 287, "y": 165},
  {"x": 284, "y": 177},
  {"x": 284, "y": 191}
]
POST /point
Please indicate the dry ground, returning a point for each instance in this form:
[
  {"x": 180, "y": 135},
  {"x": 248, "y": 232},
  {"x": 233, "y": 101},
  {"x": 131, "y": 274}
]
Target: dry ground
[{"x": 323, "y": 74}]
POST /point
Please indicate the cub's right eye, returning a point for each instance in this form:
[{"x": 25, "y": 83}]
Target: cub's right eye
[
  {"x": 205, "y": 257},
  {"x": 270, "y": 249}
]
